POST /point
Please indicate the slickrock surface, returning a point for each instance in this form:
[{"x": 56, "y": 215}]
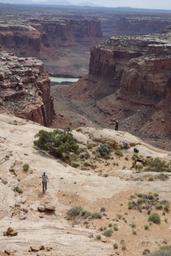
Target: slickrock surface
[
  {"x": 40, "y": 233},
  {"x": 25, "y": 89}
]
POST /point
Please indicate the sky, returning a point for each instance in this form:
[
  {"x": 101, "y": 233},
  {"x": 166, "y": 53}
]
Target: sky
[{"x": 154, "y": 4}]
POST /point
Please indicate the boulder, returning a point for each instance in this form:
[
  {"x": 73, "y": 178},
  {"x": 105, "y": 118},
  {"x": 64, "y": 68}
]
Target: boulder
[
  {"x": 46, "y": 208},
  {"x": 10, "y": 232}
]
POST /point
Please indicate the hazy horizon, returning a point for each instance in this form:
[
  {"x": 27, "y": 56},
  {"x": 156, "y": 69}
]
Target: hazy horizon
[{"x": 153, "y": 4}]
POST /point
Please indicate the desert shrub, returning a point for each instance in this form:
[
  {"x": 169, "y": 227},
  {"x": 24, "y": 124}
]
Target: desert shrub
[
  {"x": 155, "y": 218},
  {"x": 98, "y": 237},
  {"x": 146, "y": 252},
  {"x": 165, "y": 251},
  {"x": 26, "y": 167},
  {"x": 146, "y": 227},
  {"x": 104, "y": 150},
  {"x": 96, "y": 215},
  {"x": 18, "y": 190},
  {"x": 74, "y": 212},
  {"x": 134, "y": 232},
  {"x": 115, "y": 246},
  {"x": 157, "y": 165},
  {"x": 115, "y": 227},
  {"x": 162, "y": 177},
  {"x": 79, "y": 212},
  {"x": 108, "y": 232},
  {"x": 148, "y": 202},
  {"x": 57, "y": 143},
  {"x": 118, "y": 152}
]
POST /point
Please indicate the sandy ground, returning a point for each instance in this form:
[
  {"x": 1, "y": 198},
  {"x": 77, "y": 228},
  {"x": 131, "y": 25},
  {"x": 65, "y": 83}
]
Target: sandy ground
[{"x": 70, "y": 187}]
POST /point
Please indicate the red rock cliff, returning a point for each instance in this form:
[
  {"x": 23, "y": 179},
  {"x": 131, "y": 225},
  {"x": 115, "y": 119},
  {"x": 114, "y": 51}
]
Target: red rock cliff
[
  {"x": 128, "y": 79},
  {"x": 20, "y": 39},
  {"x": 68, "y": 30}
]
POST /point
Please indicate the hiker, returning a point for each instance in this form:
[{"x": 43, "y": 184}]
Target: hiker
[
  {"x": 116, "y": 125},
  {"x": 44, "y": 182}
]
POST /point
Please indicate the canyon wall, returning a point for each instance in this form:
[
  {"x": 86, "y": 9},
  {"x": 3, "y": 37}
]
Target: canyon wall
[
  {"x": 167, "y": 107},
  {"x": 135, "y": 24},
  {"x": 29, "y": 39},
  {"x": 74, "y": 30},
  {"x": 25, "y": 89},
  {"x": 23, "y": 40},
  {"x": 128, "y": 80}
]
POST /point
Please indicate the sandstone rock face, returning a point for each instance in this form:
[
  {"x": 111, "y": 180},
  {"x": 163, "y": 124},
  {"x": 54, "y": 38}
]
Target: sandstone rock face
[
  {"x": 21, "y": 39},
  {"x": 146, "y": 76},
  {"x": 128, "y": 78},
  {"x": 25, "y": 88}
]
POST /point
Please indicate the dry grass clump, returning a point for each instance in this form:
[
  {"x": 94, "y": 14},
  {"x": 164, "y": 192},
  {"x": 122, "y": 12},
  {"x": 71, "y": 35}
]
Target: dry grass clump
[
  {"x": 148, "y": 202},
  {"x": 150, "y": 164},
  {"x": 80, "y": 213}
]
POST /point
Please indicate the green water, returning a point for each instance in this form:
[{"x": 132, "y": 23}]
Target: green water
[{"x": 61, "y": 80}]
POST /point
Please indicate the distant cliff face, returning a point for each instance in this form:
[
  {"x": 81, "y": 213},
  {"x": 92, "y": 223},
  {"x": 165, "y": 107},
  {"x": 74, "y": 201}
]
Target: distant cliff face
[
  {"x": 25, "y": 89},
  {"x": 135, "y": 24},
  {"x": 55, "y": 32},
  {"x": 28, "y": 40},
  {"x": 21, "y": 39}
]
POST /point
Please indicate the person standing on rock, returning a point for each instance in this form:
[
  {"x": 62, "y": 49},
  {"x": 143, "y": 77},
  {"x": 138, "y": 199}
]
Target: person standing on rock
[
  {"x": 44, "y": 182},
  {"x": 116, "y": 125}
]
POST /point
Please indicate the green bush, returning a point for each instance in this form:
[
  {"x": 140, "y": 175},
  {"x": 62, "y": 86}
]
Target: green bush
[
  {"x": 57, "y": 143},
  {"x": 108, "y": 232},
  {"x": 104, "y": 150},
  {"x": 157, "y": 165},
  {"x": 165, "y": 251},
  {"x": 81, "y": 213},
  {"x": 155, "y": 218},
  {"x": 18, "y": 190},
  {"x": 26, "y": 167},
  {"x": 74, "y": 212},
  {"x": 98, "y": 237}
]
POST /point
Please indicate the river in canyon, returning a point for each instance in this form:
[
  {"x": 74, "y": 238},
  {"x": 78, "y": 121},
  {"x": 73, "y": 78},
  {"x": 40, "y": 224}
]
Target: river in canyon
[{"x": 62, "y": 80}]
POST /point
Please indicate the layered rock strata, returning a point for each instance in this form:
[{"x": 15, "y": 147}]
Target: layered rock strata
[
  {"x": 23, "y": 40},
  {"x": 129, "y": 79},
  {"x": 25, "y": 89}
]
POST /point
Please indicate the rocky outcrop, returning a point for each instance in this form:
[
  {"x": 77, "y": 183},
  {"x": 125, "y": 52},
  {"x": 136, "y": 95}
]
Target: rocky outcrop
[
  {"x": 25, "y": 89},
  {"x": 24, "y": 40}
]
